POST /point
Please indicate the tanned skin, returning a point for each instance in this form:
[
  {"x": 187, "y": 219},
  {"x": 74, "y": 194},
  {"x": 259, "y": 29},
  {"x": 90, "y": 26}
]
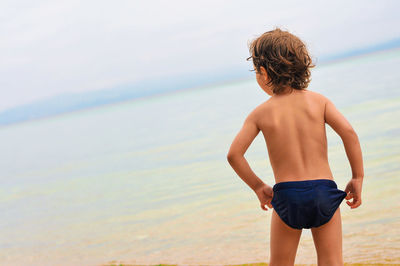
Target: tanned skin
[{"x": 293, "y": 126}]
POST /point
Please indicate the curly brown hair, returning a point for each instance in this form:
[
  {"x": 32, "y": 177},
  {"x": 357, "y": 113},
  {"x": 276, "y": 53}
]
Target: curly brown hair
[{"x": 285, "y": 58}]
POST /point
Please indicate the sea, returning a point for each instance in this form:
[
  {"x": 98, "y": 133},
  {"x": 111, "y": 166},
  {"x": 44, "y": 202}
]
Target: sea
[{"x": 147, "y": 181}]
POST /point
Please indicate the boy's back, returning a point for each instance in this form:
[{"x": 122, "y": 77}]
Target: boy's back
[{"x": 293, "y": 126}]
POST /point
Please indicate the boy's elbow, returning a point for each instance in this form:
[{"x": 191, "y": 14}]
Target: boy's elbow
[
  {"x": 232, "y": 157},
  {"x": 349, "y": 133}
]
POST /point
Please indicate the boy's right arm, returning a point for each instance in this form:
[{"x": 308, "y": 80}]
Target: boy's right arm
[{"x": 353, "y": 150}]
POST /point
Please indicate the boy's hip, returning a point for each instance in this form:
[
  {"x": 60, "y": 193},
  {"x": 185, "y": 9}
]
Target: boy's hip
[{"x": 306, "y": 203}]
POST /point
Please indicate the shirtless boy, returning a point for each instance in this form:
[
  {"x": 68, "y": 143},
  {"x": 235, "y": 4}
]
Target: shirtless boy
[{"x": 292, "y": 121}]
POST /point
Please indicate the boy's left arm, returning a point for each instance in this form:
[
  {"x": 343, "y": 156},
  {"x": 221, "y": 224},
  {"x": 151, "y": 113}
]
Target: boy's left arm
[
  {"x": 239, "y": 147},
  {"x": 239, "y": 163}
]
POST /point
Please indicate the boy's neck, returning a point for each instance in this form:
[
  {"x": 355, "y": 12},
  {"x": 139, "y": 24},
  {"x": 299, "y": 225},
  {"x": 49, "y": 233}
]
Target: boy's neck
[{"x": 287, "y": 91}]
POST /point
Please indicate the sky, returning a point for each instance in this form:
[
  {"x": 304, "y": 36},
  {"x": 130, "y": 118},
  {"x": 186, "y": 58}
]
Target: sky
[{"x": 51, "y": 48}]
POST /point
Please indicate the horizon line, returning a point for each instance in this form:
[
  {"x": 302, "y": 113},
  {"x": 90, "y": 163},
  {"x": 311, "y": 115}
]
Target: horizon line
[{"x": 325, "y": 60}]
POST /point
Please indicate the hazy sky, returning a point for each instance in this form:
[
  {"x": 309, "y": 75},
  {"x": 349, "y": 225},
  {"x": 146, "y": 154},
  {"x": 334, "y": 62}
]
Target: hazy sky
[{"x": 52, "y": 47}]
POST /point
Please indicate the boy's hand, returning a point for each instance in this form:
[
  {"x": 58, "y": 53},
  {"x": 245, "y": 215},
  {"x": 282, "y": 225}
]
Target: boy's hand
[
  {"x": 353, "y": 189},
  {"x": 265, "y": 194}
]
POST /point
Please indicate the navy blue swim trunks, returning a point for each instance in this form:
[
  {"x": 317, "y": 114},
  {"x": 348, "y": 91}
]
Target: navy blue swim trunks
[{"x": 306, "y": 203}]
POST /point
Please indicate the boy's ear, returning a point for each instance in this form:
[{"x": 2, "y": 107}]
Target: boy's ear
[{"x": 264, "y": 73}]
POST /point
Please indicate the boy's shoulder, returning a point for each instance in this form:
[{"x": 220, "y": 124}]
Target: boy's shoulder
[
  {"x": 308, "y": 93},
  {"x": 270, "y": 103},
  {"x": 318, "y": 95}
]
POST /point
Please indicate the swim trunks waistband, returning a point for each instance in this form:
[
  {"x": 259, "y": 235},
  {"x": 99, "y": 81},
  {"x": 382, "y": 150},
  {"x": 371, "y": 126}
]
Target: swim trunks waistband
[{"x": 304, "y": 184}]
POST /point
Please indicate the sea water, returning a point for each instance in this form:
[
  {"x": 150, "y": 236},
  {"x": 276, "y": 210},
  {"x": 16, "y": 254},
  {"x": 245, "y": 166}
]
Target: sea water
[{"x": 147, "y": 181}]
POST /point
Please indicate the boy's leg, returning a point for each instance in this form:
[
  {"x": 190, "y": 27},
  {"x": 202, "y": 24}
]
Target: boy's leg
[
  {"x": 284, "y": 241},
  {"x": 328, "y": 241}
]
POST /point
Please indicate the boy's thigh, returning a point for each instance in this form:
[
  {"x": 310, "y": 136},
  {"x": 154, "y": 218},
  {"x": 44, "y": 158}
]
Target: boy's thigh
[
  {"x": 284, "y": 241},
  {"x": 328, "y": 240}
]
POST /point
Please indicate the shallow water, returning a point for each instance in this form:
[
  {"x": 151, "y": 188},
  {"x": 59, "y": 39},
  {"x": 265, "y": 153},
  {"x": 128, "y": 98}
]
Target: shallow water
[{"x": 147, "y": 181}]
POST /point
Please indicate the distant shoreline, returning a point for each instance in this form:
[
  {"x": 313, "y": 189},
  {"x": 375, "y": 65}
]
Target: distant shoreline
[{"x": 74, "y": 102}]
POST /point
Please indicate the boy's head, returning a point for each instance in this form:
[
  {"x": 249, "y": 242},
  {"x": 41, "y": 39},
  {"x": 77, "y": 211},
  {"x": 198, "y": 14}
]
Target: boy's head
[{"x": 282, "y": 59}]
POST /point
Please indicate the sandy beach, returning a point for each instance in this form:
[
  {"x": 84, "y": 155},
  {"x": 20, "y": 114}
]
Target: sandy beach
[{"x": 252, "y": 264}]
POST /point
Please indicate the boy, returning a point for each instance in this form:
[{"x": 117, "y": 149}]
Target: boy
[{"x": 293, "y": 121}]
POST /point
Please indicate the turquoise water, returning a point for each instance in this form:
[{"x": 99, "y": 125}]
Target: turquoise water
[{"x": 147, "y": 181}]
